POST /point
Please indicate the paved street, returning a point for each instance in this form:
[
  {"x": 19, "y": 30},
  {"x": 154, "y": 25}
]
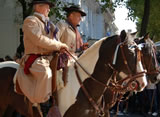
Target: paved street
[{"x": 134, "y": 115}]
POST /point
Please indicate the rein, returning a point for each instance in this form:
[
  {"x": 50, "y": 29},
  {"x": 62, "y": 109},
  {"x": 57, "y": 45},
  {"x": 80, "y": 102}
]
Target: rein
[
  {"x": 98, "y": 108},
  {"x": 131, "y": 77},
  {"x": 149, "y": 71},
  {"x": 117, "y": 87},
  {"x": 114, "y": 86}
]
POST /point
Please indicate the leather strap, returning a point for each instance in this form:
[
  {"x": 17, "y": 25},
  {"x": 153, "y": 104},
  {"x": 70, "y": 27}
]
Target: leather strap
[{"x": 53, "y": 66}]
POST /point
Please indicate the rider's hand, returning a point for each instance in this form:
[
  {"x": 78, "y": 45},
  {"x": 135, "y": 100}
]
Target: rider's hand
[{"x": 63, "y": 48}]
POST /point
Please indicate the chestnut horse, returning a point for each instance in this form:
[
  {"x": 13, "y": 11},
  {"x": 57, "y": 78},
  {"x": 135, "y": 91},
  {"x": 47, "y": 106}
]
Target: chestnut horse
[
  {"x": 82, "y": 95},
  {"x": 149, "y": 62},
  {"x": 149, "y": 59},
  {"x": 11, "y": 100}
]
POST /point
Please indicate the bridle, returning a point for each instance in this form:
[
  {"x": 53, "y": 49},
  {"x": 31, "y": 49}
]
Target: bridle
[
  {"x": 148, "y": 68},
  {"x": 112, "y": 84}
]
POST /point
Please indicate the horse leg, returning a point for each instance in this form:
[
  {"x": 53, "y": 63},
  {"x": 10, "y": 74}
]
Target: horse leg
[
  {"x": 9, "y": 112},
  {"x": 37, "y": 111},
  {"x": 2, "y": 111},
  {"x": 22, "y": 105},
  {"x": 107, "y": 113},
  {"x": 76, "y": 111}
]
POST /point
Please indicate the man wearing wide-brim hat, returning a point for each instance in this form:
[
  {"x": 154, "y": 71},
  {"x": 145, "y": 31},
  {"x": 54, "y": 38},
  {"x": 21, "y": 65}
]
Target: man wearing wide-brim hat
[
  {"x": 34, "y": 75},
  {"x": 68, "y": 32}
]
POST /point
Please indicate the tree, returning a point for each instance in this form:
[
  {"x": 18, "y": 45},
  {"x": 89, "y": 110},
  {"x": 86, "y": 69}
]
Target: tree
[
  {"x": 145, "y": 18},
  {"x": 153, "y": 16},
  {"x": 144, "y": 12},
  {"x": 26, "y": 7}
]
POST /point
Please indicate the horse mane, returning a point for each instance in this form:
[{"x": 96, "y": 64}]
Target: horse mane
[
  {"x": 89, "y": 59},
  {"x": 11, "y": 64},
  {"x": 149, "y": 44},
  {"x": 90, "y": 49}
]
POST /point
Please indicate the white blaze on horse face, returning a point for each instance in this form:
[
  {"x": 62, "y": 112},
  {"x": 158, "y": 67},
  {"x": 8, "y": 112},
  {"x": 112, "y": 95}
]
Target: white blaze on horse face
[{"x": 142, "y": 80}]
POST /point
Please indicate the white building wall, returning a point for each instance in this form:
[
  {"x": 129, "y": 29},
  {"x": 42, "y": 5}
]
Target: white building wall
[
  {"x": 94, "y": 26},
  {"x": 9, "y": 33}
]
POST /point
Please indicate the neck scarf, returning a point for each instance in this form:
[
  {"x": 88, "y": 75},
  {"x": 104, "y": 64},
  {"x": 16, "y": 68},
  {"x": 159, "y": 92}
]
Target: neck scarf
[{"x": 79, "y": 41}]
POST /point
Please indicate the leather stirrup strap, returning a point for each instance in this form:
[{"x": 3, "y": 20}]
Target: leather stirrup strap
[
  {"x": 18, "y": 89},
  {"x": 53, "y": 66}
]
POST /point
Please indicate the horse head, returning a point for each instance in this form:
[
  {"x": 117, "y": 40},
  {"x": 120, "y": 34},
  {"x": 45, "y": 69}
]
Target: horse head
[
  {"x": 94, "y": 71},
  {"x": 149, "y": 59},
  {"x": 120, "y": 54}
]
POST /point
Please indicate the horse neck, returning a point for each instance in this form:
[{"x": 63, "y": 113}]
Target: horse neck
[
  {"x": 94, "y": 66},
  {"x": 89, "y": 59},
  {"x": 103, "y": 75}
]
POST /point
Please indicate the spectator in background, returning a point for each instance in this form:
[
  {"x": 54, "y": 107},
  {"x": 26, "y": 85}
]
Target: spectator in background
[
  {"x": 158, "y": 96},
  {"x": 152, "y": 98},
  {"x": 8, "y": 58},
  {"x": 118, "y": 105},
  {"x": 158, "y": 56},
  {"x": 1, "y": 59}
]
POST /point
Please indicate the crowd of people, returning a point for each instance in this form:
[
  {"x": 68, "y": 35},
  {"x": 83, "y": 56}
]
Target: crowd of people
[
  {"x": 146, "y": 102},
  {"x": 6, "y": 58}
]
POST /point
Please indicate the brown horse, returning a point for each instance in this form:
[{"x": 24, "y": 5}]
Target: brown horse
[
  {"x": 149, "y": 62},
  {"x": 149, "y": 59},
  {"x": 9, "y": 99},
  {"x": 118, "y": 53}
]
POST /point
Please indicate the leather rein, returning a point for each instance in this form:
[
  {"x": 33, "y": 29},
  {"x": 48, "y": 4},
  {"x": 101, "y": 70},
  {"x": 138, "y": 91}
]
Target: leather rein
[
  {"x": 148, "y": 68},
  {"x": 113, "y": 84}
]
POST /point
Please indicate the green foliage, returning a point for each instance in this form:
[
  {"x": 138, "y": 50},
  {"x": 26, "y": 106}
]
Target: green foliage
[
  {"x": 154, "y": 20},
  {"x": 135, "y": 7},
  {"x": 136, "y": 10},
  {"x": 56, "y": 11}
]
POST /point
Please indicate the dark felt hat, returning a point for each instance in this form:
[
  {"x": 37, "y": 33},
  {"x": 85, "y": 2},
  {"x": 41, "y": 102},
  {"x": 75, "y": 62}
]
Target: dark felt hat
[
  {"x": 74, "y": 8},
  {"x": 51, "y": 4}
]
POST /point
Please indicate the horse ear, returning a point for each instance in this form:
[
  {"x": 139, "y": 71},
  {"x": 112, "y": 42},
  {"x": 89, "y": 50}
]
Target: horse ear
[
  {"x": 123, "y": 35},
  {"x": 134, "y": 33},
  {"x": 146, "y": 36},
  {"x": 142, "y": 41}
]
